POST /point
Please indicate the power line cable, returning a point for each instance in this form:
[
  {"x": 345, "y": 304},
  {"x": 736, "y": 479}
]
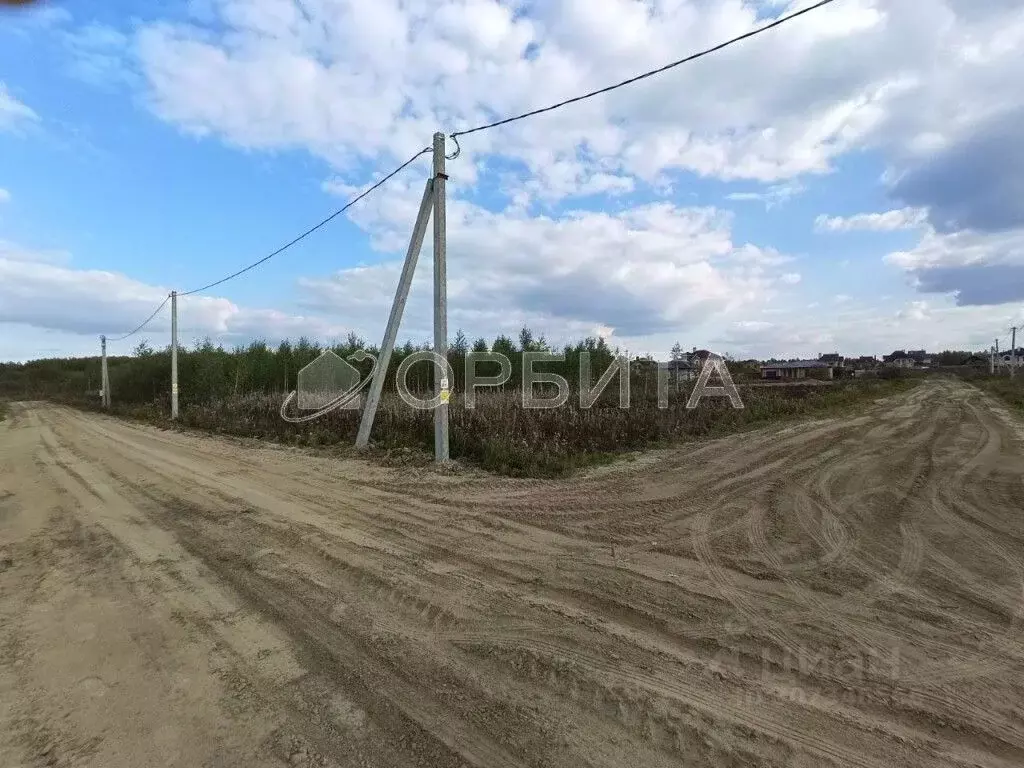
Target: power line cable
[
  {"x": 313, "y": 229},
  {"x": 144, "y": 322},
  {"x": 651, "y": 73}
]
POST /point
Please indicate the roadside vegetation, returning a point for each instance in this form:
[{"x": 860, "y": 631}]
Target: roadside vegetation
[
  {"x": 4, "y": 409},
  {"x": 1010, "y": 391},
  {"x": 240, "y": 392}
]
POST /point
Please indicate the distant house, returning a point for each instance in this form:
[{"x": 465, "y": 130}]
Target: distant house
[
  {"x": 901, "y": 360},
  {"x": 1005, "y": 359},
  {"x": 643, "y": 363},
  {"x": 797, "y": 369},
  {"x": 682, "y": 369},
  {"x": 833, "y": 358},
  {"x": 915, "y": 358},
  {"x": 865, "y": 365},
  {"x": 698, "y": 356}
]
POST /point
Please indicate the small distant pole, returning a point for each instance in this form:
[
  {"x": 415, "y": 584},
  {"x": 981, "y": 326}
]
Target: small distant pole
[
  {"x": 104, "y": 376},
  {"x": 441, "y": 383},
  {"x": 174, "y": 354},
  {"x": 1013, "y": 351},
  {"x": 992, "y": 361}
]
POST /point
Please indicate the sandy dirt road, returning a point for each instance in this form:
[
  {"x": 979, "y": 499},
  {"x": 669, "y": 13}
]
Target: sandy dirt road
[{"x": 844, "y": 592}]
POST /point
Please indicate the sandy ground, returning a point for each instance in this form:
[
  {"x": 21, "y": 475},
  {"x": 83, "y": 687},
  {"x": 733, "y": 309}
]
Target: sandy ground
[{"x": 841, "y": 592}]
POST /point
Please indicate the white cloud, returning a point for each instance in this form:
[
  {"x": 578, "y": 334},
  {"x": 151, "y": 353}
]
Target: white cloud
[
  {"x": 39, "y": 16},
  {"x": 889, "y": 221},
  {"x": 866, "y": 328},
  {"x": 11, "y": 252},
  {"x": 49, "y": 308},
  {"x": 639, "y": 271},
  {"x": 13, "y": 113},
  {"x": 352, "y": 81},
  {"x": 773, "y": 196},
  {"x": 962, "y": 249},
  {"x": 983, "y": 268},
  {"x": 5, "y": 196},
  {"x": 348, "y": 79},
  {"x": 915, "y": 310},
  {"x": 38, "y": 290},
  {"x": 99, "y": 54}
]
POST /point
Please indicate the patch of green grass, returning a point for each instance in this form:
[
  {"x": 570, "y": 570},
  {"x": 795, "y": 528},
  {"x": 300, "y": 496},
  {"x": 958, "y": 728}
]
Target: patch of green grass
[{"x": 5, "y": 409}]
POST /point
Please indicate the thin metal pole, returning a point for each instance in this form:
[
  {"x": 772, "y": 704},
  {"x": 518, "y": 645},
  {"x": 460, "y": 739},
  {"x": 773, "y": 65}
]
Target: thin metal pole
[
  {"x": 441, "y": 383},
  {"x": 419, "y": 232},
  {"x": 104, "y": 376},
  {"x": 174, "y": 354}
]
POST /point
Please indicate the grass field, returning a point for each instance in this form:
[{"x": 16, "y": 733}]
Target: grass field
[
  {"x": 501, "y": 436},
  {"x": 1009, "y": 390}
]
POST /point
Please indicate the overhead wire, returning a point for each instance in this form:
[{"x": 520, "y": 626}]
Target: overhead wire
[
  {"x": 144, "y": 322},
  {"x": 645, "y": 75},
  {"x": 314, "y": 228},
  {"x": 283, "y": 248}
]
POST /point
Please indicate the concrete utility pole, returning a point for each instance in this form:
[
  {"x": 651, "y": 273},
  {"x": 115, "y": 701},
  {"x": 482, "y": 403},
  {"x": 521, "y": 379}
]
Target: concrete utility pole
[
  {"x": 433, "y": 202},
  {"x": 441, "y": 383},
  {"x": 104, "y": 376},
  {"x": 174, "y": 354},
  {"x": 1013, "y": 351},
  {"x": 419, "y": 232}
]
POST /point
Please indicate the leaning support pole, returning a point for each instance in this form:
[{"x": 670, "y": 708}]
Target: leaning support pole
[
  {"x": 174, "y": 354},
  {"x": 441, "y": 383},
  {"x": 419, "y": 232},
  {"x": 104, "y": 376}
]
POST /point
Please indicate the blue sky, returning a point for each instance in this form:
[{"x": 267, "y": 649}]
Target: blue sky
[{"x": 848, "y": 182}]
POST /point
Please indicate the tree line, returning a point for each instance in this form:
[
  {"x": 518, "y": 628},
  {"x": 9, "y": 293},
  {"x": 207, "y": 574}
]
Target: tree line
[{"x": 208, "y": 373}]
